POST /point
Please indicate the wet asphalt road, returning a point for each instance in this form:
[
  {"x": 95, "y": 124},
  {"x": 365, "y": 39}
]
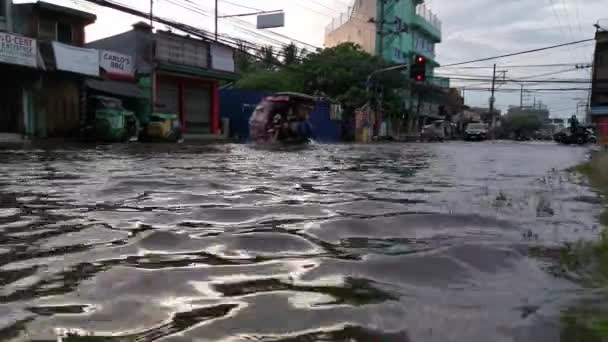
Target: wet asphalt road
[{"x": 422, "y": 242}]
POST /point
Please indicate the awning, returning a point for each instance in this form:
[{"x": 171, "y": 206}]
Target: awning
[{"x": 126, "y": 89}]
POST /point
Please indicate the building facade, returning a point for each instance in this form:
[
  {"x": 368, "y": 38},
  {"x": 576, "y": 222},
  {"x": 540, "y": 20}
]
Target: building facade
[
  {"x": 539, "y": 110},
  {"x": 399, "y": 30},
  {"x": 63, "y": 65},
  {"x": 599, "y": 91},
  {"x": 396, "y": 30},
  {"x": 180, "y": 74}
]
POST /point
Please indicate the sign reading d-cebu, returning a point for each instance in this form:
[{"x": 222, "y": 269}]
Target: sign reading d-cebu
[{"x": 17, "y": 50}]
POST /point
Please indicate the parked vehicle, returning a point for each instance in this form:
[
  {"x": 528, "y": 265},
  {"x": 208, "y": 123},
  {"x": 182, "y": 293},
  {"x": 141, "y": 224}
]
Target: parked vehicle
[
  {"x": 434, "y": 132},
  {"x": 162, "y": 127},
  {"x": 107, "y": 120},
  {"x": 580, "y": 136},
  {"x": 476, "y": 132},
  {"x": 282, "y": 118}
]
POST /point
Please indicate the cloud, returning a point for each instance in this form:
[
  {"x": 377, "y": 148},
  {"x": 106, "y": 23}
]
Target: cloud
[{"x": 482, "y": 28}]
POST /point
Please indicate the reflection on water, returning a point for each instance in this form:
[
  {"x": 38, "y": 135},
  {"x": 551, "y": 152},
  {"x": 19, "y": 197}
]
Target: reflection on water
[{"x": 329, "y": 243}]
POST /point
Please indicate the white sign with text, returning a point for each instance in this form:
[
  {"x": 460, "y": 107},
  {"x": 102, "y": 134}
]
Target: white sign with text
[
  {"x": 117, "y": 64},
  {"x": 18, "y": 50}
]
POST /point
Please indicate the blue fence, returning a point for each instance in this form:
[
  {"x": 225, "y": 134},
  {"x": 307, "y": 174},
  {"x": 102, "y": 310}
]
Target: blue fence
[
  {"x": 238, "y": 104},
  {"x": 324, "y": 129}
]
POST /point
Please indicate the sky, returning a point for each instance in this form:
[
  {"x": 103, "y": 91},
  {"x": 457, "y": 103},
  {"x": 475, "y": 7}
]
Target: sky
[{"x": 472, "y": 29}]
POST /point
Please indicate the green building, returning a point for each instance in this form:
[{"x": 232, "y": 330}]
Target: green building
[
  {"x": 395, "y": 29},
  {"x": 398, "y": 30},
  {"x": 405, "y": 28}
]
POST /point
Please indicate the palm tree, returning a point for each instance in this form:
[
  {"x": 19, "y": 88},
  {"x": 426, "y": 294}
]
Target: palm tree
[
  {"x": 290, "y": 54},
  {"x": 267, "y": 57}
]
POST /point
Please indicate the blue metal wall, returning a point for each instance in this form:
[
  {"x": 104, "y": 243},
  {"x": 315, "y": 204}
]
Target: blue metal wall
[
  {"x": 238, "y": 104},
  {"x": 324, "y": 129}
]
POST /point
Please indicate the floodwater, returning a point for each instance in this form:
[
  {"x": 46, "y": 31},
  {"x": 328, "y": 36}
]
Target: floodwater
[{"x": 419, "y": 242}]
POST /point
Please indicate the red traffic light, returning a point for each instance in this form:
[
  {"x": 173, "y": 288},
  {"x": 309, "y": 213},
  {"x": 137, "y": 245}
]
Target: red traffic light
[
  {"x": 420, "y": 59},
  {"x": 419, "y": 77}
]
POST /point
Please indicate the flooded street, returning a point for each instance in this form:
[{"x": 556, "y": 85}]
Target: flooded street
[{"x": 418, "y": 242}]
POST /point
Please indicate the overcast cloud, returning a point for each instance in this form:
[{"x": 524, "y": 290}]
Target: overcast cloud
[{"x": 471, "y": 29}]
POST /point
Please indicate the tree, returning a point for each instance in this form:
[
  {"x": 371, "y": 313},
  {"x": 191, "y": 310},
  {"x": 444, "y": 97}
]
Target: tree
[
  {"x": 270, "y": 81},
  {"x": 290, "y": 54},
  {"x": 340, "y": 73},
  {"x": 244, "y": 59},
  {"x": 521, "y": 124},
  {"x": 268, "y": 59}
]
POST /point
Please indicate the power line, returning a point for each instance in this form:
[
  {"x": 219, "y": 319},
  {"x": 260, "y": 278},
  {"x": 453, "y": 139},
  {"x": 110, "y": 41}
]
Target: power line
[
  {"x": 521, "y": 53},
  {"x": 526, "y": 77},
  {"x": 516, "y": 90},
  {"x": 243, "y": 26},
  {"x": 569, "y": 81},
  {"x": 521, "y": 66}
]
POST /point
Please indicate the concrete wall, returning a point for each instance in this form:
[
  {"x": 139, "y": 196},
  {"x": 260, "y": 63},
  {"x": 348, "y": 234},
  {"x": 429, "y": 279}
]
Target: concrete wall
[
  {"x": 355, "y": 28},
  {"x": 360, "y": 34},
  {"x": 399, "y": 48}
]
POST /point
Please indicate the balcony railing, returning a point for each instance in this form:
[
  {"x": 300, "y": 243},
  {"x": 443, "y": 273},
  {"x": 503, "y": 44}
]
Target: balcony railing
[
  {"x": 341, "y": 19},
  {"x": 429, "y": 16}
]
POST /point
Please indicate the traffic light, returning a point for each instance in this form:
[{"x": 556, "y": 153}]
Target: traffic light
[{"x": 418, "y": 69}]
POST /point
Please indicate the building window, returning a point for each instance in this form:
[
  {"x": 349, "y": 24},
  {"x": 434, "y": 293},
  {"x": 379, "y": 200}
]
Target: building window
[
  {"x": 397, "y": 53},
  {"x": 398, "y": 24},
  {"x": 47, "y": 29},
  {"x": 64, "y": 33},
  {"x": 2, "y": 8}
]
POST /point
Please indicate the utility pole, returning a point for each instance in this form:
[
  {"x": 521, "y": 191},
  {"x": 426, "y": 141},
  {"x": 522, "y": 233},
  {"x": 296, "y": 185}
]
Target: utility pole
[
  {"x": 152, "y": 13},
  {"x": 492, "y": 99},
  {"x": 521, "y": 97},
  {"x": 216, "y": 19},
  {"x": 380, "y": 31}
]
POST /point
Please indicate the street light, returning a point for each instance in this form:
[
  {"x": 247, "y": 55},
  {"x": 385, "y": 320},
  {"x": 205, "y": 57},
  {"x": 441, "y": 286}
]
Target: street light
[{"x": 395, "y": 67}]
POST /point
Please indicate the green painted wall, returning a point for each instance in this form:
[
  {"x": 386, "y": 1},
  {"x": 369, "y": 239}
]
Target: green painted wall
[{"x": 422, "y": 35}]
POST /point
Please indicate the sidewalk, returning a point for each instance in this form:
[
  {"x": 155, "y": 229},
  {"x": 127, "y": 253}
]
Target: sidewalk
[{"x": 10, "y": 139}]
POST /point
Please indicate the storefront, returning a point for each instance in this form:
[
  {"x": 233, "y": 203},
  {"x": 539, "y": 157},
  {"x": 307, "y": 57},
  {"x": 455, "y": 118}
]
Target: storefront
[
  {"x": 60, "y": 101},
  {"x": 192, "y": 98},
  {"x": 187, "y": 80},
  {"x": 18, "y": 67},
  {"x": 117, "y": 80},
  {"x": 179, "y": 75}
]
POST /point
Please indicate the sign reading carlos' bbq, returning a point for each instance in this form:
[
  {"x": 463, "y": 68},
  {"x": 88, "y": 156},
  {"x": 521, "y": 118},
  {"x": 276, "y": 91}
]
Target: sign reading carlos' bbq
[
  {"x": 116, "y": 64},
  {"x": 18, "y": 50}
]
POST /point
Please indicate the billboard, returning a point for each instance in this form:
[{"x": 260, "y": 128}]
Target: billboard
[
  {"x": 18, "y": 50},
  {"x": 271, "y": 20}
]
